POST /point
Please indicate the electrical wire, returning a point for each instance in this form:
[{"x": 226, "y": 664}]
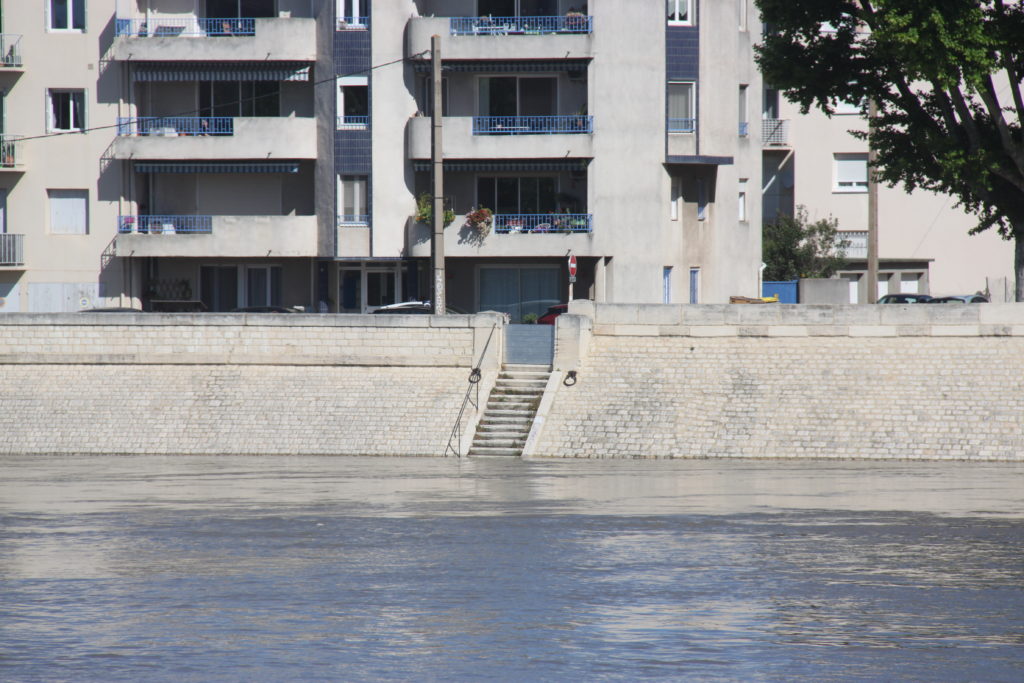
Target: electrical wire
[{"x": 332, "y": 79}]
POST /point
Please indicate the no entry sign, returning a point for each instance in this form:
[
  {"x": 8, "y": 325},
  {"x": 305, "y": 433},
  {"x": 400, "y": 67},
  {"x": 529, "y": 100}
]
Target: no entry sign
[{"x": 572, "y": 265}]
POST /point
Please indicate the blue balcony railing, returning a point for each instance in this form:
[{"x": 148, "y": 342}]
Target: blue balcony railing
[
  {"x": 500, "y": 26},
  {"x": 157, "y": 224},
  {"x": 10, "y": 49},
  {"x": 176, "y": 125},
  {"x": 682, "y": 125},
  {"x": 543, "y": 222},
  {"x": 744, "y": 129},
  {"x": 532, "y": 125},
  {"x": 169, "y": 28},
  {"x": 353, "y": 23},
  {"x": 356, "y": 122},
  {"x": 353, "y": 219}
]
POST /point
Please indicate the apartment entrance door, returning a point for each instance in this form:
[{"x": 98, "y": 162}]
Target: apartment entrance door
[{"x": 363, "y": 288}]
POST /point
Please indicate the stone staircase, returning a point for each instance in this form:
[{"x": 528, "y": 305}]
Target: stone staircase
[{"x": 510, "y": 410}]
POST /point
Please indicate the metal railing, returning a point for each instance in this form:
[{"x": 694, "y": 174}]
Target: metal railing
[
  {"x": 353, "y": 219},
  {"x": 682, "y": 125},
  {"x": 775, "y": 131},
  {"x": 353, "y": 23},
  {"x": 157, "y": 27},
  {"x": 855, "y": 243},
  {"x": 12, "y": 249},
  {"x": 10, "y": 49},
  {"x": 532, "y": 125},
  {"x": 474, "y": 379},
  {"x": 500, "y": 26},
  {"x": 353, "y": 122},
  {"x": 543, "y": 222},
  {"x": 10, "y": 151},
  {"x": 172, "y": 126},
  {"x": 744, "y": 129},
  {"x": 159, "y": 224}
]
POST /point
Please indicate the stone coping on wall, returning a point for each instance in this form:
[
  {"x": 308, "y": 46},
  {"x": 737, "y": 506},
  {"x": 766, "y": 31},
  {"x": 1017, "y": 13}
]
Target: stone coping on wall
[
  {"x": 251, "y": 339},
  {"x": 798, "y": 320}
]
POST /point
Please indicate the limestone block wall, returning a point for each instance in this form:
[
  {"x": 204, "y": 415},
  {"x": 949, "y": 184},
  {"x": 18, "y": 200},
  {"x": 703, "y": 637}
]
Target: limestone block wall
[
  {"x": 908, "y": 382},
  {"x": 237, "y": 384}
]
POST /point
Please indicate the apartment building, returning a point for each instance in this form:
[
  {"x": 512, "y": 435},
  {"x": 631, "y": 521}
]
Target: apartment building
[
  {"x": 212, "y": 154},
  {"x": 923, "y": 242}
]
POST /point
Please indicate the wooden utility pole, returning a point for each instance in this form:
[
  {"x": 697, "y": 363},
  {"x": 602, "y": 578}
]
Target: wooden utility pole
[
  {"x": 437, "y": 177},
  {"x": 872, "y": 289}
]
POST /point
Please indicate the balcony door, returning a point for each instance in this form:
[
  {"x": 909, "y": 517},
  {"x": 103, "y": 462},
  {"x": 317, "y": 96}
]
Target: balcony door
[
  {"x": 518, "y": 96},
  {"x": 517, "y": 196},
  {"x": 365, "y": 288},
  {"x": 518, "y": 8}
]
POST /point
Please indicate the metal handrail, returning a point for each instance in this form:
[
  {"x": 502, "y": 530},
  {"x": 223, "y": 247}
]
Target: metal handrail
[
  {"x": 774, "y": 131},
  {"x": 353, "y": 219},
  {"x": 10, "y": 49},
  {"x": 176, "y": 125},
  {"x": 10, "y": 150},
  {"x": 682, "y": 125},
  {"x": 543, "y": 222},
  {"x": 532, "y": 125},
  {"x": 160, "y": 224},
  {"x": 354, "y": 122},
  {"x": 170, "y": 27},
  {"x": 499, "y": 26},
  {"x": 12, "y": 249},
  {"x": 474, "y": 379}
]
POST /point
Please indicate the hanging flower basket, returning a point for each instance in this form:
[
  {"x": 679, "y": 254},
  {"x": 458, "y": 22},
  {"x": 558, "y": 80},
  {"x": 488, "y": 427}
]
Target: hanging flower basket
[{"x": 480, "y": 220}]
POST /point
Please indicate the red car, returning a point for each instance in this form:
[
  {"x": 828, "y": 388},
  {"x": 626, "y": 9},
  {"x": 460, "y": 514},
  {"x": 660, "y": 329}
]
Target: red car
[{"x": 553, "y": 312}]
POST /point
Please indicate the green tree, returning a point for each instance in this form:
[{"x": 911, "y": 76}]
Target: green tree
[
  {"x": 945, "y": 78},
  {"x": 792, "y": 248}
]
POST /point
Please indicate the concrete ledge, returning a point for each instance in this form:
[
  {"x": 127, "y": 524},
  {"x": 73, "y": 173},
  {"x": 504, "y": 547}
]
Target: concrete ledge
[{"x": 341, "y": 360}]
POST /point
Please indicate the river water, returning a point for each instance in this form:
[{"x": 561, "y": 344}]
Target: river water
[{"x": 358, "y": 569}]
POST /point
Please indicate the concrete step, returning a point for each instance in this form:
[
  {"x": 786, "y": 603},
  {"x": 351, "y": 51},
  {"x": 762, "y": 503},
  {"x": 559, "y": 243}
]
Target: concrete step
[{"x": 486, "y": 450}]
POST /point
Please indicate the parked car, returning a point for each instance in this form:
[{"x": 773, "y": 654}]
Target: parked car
[
  {"x": 263, "y": 309},
  {"x": 111, "y": 309},
  {"x": 904, "y": 299},
  {"x": 552, "y": 313},
  {"x": 417, "y": 307},
  {"x": 960, "y": 299}
]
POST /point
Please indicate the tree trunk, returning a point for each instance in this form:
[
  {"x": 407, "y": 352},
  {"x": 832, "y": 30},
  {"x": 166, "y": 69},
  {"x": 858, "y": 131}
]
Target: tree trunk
[{"x": 1018, "y": 262}]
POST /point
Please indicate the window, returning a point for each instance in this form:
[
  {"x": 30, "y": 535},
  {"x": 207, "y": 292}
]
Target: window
[
  {"x": 743, "y": 120},
  {"x": 353, "y": 102},
  {"x": 66, "y": 110},
  {"x": 677, "y": 193},
  {"x": 427, "y": 98},
  {"x": 263, "y": 285},
  {"x": 239, "y": 98},
  {"x": 69, "y": 212},
  {"x": 218, "y": 287},
  {"x": 517, "y": 96},
  {"x": 666, "y": 285},
  {"x": 742, "y": 200},
  {"x": 352, "y": 13},
  {"x": 66, "y": 15},
  {"x": 910, "y": 283},
  {"x": 702, "y": 200},
  {"x": 681, "y": 110},
  {"x": 352, "y": 200},
  {"x": 742, "y": 9},
  {"x": 511, "y": 195},
  {"x": 851, "y": 173},
  {"x": 694, "y": 285},
  {"x": 680, "y": 12}
]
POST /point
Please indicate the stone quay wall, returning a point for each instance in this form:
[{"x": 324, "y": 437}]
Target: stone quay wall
[
  {"x": 122, "y": 383},
  {"x": 777, "y": 381}
]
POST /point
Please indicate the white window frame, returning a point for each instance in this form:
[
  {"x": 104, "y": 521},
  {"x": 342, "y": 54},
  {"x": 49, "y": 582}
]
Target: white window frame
[
  {"x": 666, "y": 285},
  {"x": 844, "y": 180},
  {"x": 702, "y": 199},
  {"x": 742, "y": 201},
  {"x": 51, "y": 118},
  {"x": 680, "y": 7},
  {"x": 694, "y": 284},
  {"x": 744, "y": 110},
  {"x": 352, "y": 81},
  {"x": 676, "y": 194},
  {"x": 70, "y": 17},
  {"x": 359, "y": 10},
  {"x": 690, "y": 105},
  {"x": 360, "y": 199},
  {"x": 63, "y": 211}
]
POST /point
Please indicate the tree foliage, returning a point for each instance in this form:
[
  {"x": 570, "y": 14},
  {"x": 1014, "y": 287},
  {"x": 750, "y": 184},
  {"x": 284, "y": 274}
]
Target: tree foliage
[
  {"x": 945, "y": 76},
  {"x": 793, "y": 248}
]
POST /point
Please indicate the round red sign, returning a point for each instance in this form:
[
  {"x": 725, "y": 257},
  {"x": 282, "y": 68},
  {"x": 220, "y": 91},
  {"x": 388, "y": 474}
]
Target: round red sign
[{"x": 572, "y": 265}]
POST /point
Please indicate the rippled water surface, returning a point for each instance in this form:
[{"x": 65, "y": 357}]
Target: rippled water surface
[{"x": 272, "y": 569}]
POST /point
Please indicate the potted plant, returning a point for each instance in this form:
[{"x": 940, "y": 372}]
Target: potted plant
[
  {"x": 480, "y": 220},
  {"x": 425, "y": 211}
]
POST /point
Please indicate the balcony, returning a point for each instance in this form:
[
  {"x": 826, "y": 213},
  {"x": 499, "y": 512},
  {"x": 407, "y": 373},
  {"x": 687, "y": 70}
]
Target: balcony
[
  {"x": 682, "y": 126},
  {"x": 775, "y": 132},
  {"x": 216, "y": 236},
  {"x": 350, "y": 122},
  {"x": 10, "y": 51},
  {"x": 12, "y": 250},
  {"x": 208, "y": 138},
  {"x": 472, "y": 38},
  {"x": 499, "y": 137},
  {"x": 214, "y": 39},
  {"x": 11, "y": 158},
  {"x": 512, "y": 235},
  {"x": 856, "y": 243}
]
